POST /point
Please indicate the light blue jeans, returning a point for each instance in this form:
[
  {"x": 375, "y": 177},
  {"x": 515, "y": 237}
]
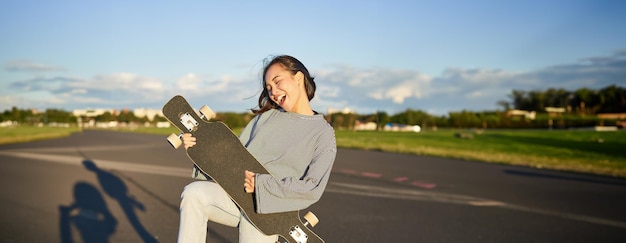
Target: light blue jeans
[{"x": 202, "y": 201}]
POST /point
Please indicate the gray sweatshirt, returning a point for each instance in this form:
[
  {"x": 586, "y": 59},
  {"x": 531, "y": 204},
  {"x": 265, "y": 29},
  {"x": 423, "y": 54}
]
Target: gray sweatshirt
[{"x": 298, "y": 151}]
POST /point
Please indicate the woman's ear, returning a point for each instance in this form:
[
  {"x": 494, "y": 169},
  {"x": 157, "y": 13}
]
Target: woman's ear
[{"x": 299, "y": 78}]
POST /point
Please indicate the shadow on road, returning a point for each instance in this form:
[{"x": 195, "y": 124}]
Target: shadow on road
[
  {"x": 89, "y": 214},
  {"x": 116, "y": 189}
]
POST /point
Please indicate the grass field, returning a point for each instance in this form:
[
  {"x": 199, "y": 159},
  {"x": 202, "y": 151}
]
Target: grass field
[
  {"x": 602, "y": 153},
  {"x": 22, "y": 134},
  {"x": 593, "y": 152}
]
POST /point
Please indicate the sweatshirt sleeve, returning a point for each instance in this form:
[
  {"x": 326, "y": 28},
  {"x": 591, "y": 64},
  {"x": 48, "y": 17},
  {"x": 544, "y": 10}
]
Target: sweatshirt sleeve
[
  {"x": 291, "y": 193},
  {"x": 246, "y": 134}
]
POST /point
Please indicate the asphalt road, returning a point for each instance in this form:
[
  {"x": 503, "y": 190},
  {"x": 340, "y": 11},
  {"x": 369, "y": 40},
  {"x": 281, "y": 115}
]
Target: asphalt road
[{"x": 121, "y": 187}]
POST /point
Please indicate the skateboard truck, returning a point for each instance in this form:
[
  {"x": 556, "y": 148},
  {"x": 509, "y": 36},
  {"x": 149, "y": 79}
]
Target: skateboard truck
[
  {"x": 298, "y": 234},
  {"x": 190, "y": 123}
]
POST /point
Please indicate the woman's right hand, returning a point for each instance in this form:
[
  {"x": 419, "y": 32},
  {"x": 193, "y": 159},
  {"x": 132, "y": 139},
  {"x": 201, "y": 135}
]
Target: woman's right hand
[{"x": 188, "y": 140}]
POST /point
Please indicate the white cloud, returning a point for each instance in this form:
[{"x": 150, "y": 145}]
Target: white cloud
[
  {"x": 206, "y": 84},
  {"x": 188, "y": 82},
  {"x": 398, "y": 94},
  {"x": 8, "y": 101},
  {"x": 29, "y": 66},
  {"x": 128, "y": 82},
  {"x": 408, "y": 89},
  {"x": 478, "y": 76},
  {"x": 329, "y": 91},
  {"x": 458, "y": 89},
  {"x": 376, "y": 83},
  {"x": 110, "y": 90},
  {"x": 78, "y": 91},
  {"x": 473, "y": 83},
  {"x": 220, "y": 93},
  {"x": 475, "y": 94},
  {"x": 221, "y": 84},
  {"x": 364, "y": 89}
]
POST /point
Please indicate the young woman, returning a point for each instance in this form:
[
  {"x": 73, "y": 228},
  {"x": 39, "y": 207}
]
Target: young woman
[{"x": 292, "y": 141}]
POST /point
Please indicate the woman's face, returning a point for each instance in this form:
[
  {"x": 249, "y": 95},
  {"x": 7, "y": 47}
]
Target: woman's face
[{"x": 286, "y": 89}]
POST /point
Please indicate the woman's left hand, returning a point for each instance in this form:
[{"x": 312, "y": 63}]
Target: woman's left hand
[{"x": 248, "y": 184}]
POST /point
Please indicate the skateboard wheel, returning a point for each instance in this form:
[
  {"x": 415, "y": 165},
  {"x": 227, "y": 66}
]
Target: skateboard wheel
[
  {"x": 311, "y": 219},
  {"x": 207, "y": 112},
  {"x": 175, "y": 140}
]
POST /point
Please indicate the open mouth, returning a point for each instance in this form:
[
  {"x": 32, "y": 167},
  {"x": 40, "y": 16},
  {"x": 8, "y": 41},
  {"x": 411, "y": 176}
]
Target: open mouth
[{"x": 281, "y": 99}]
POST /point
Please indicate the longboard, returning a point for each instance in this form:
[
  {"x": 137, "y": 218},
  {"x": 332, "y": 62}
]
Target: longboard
[{"x": 219, "y": 154}]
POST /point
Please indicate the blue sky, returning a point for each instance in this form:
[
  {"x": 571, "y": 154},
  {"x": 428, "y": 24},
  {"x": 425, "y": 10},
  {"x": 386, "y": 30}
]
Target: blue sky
[{"x": 437, "y": 56}]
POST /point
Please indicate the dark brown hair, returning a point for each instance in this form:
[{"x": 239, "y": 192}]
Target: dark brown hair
[{"x": 289, "y": 63}]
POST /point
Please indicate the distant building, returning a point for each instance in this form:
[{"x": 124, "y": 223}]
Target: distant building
[
  {"x": 92, "y": 112},
  {"x": 149, "y": 113},
  {"x": 8, "y": 123},
  {"x": 526, "y": 114},
  {"x": 555, "y": 110},
  {"x": 392, "y": 127},
  {"x": 620, "y": 117},
  {"x": 140, "y": 112},
  {"x": 163, "y": 124},
  {"x": 364, "y": 126},
  {"x": 342, "y": 111}
]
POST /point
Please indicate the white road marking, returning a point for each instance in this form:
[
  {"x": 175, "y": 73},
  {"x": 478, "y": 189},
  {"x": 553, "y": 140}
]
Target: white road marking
[
  {"x": 427, "y": 195},
  {"x": 408, "y": 194},
  {"x": 104, "y": 164},
  {"x": 333, "y": 187},
  {"x": 85, "y": 149}
]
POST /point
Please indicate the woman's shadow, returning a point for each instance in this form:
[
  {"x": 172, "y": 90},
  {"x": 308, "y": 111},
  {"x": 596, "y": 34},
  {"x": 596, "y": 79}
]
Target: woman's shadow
[
  {"x": 89, "y": 214},
  {"x": 116, "y": 189}
]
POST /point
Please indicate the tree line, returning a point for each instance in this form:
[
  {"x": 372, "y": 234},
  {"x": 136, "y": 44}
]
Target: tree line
[
  {"x": 583, "y": 101},
  {"x": 580, "y": 106},
  {"x": 57, "y": 116}
]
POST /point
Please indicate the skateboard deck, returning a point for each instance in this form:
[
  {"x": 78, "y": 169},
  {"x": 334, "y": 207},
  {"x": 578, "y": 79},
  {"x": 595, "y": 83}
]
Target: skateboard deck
[{"x": 219, "y": 154}]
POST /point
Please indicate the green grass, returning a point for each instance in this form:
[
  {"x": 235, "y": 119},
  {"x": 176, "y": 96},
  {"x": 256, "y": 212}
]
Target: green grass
[
  {"x": 602, "y": 153},
  {"x": 579, "y": 151},
  {"x": 22, "y": 134}
]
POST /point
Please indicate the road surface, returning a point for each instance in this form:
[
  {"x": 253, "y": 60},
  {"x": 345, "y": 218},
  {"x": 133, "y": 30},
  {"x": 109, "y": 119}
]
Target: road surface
[{"x": 125, "y": 187}]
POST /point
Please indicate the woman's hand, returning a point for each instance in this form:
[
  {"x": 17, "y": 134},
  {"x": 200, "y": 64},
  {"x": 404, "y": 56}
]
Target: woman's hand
[
  {"x": 248, "y": 184},
  {"x": 188, "y": 140}
]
